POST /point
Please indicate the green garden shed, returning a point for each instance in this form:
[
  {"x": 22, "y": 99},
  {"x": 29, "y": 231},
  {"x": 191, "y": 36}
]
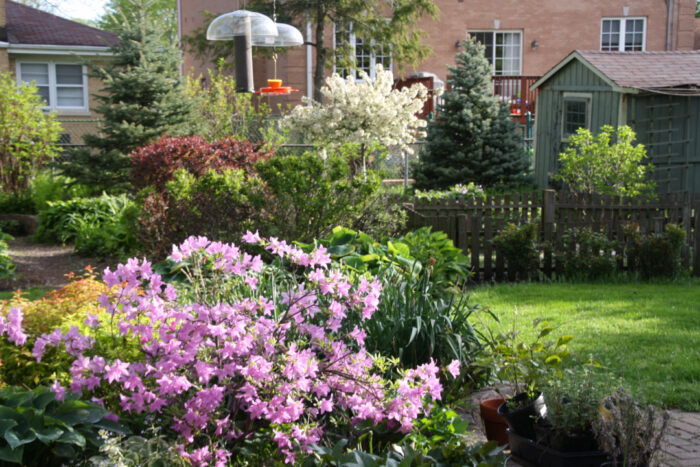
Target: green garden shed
[{"x": 655, "y": 93}]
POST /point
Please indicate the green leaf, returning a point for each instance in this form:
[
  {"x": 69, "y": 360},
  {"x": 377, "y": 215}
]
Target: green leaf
[
  {"x": 8, "y": 454},
  {"x": 340, "y": 250},
  {"x": 15, "y": 439},
  {"x": 73, "y": 412},
  {"x": 72, "y": 437},
  {"x": 553, "y": 360},
  {"x": 6, "y": 424},
  {"x": 112, "y": 426},
  {"x": 563, "y": 340}
]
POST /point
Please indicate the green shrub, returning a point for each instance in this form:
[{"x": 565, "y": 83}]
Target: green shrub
[
  {"x": 440, "y": 439},
  {"x": 19, "y": 202},
  {"x": 7, "y": 267},
  {"x": 518, "y": 245},
  {"x": 220, "y": 205},
  {"x": 607, "y": 163},
  {"x": 42, "y": 431},
  {"x": 307, "y": 196},
  {"x": 420, "y": 252},
  {"x": 465, "y": 192},
  {"x": 586, "y": 255},
  {"x": 12, "y": 227},
  {"x": 655, "y": 255},
  {"x": 97, "y": 226},
  {"x": 47, "y": 187}
]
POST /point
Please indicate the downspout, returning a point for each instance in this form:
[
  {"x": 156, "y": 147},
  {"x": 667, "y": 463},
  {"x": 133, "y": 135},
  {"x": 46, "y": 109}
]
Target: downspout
[
  {"x": 309, "y": 58},
  {"x": 669, "y": 22}
]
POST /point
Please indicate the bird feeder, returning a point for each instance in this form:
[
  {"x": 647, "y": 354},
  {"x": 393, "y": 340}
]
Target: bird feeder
[{"x": 248, "y": 29}]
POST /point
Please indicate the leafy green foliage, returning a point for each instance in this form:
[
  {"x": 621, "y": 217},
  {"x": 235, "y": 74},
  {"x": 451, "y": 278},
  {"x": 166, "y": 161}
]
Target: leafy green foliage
[
  {"x": 220, "y": 205},
  {"x": 19, "y": 202},
  {"x": 573, "y": 401},
  {"x": 421, "y": 252},
  {"x": 518, "y": 245},
  {"x": 307, "y": 196},
  {"x": 586, "y": 255},
  {"x": 416, "y": 322},
  {"x": 474, "y": 139},
  {"x": 441, "y": 439},
  {"x": 38, "y": 430},
  {"x": 146, "y": 451},
  {"x": 223, "y": 112},
  {"x": 607, "y": 163},
  {"x": 654, "y": 254},
  {"x": 458, "y": 191},
  {"x": 27, "y": 135},
  {"x": 164, "y": 10},
  {"x": 7, "y": 267},
  {"x": 526, "y": 366},
  {"x": 142, "y": 98},
  {"x": 97, "y": 226}
]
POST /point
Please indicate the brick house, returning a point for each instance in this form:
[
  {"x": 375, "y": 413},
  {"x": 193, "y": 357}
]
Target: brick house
[
  {"x": 524, "y": 38},
  {"x": 50, "y": 50}
]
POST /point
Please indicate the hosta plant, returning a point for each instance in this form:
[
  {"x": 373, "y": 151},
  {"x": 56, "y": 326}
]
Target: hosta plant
[
  {"x": 244, "y": 348},
  {"x": 41, "y": 428}
]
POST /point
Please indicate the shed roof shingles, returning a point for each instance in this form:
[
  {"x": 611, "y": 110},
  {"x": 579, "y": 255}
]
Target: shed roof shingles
[
  {"x": 646, "y": 70},
  {"x": 26, "y": 25}
]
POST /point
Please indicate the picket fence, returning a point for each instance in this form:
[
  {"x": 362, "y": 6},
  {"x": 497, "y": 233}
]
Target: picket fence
[{"x": 472, "y": 224}]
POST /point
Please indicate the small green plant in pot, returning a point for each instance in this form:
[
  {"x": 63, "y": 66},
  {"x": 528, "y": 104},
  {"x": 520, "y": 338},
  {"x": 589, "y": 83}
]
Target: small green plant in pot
[
  {"x": 573, "y": 405},
  {"x": 526, "y": 367}
]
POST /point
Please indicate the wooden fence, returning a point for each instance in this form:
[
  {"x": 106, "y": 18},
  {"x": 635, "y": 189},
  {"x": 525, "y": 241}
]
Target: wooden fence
[{"x": 473, "y": 224}]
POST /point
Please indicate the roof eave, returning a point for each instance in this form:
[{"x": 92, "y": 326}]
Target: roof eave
[
  {"x": 575, "y": 55},
  {"x": 50, "y": 49}
]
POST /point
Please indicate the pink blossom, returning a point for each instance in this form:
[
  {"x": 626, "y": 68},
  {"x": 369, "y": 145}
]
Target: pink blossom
[{"x": 453, "y": 368}]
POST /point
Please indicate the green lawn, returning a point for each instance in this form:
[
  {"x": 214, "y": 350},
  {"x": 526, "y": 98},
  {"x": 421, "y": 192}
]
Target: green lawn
[
  {"x": 32, "y": 293},
  {"x": 647, "y": 334}
]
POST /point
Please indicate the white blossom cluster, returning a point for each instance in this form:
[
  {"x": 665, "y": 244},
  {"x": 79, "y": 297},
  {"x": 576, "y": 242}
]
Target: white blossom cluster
[{"x": 363, "y": 112}]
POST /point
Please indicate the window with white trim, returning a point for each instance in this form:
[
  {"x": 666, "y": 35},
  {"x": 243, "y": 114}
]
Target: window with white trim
[
  {"x": 503, "y": 50},
  {"x": 63, "y": 86},
  {"x": 623, "y": 34},
  {"x": 576, "y": 114},
  {"x": 364, "y": 57}
]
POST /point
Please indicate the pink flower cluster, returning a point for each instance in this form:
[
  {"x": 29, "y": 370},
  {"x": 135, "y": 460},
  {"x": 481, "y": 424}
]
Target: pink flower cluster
[
  {"x": 13, "y": 327},
  {"x": 282, "y": 362}
]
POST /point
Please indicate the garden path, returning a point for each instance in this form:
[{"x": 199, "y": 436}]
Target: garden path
[
  {"x": 44, "y": 265},
  {"x": 680, "y": 447}
]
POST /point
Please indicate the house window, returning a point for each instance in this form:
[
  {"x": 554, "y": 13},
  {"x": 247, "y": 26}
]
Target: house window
[
  {"x": 503, "y": 50},
  {"x": 63, "y": 86},
  {"x": 623, "y": 34},
  {"x": 577, "y": 113},
  {"x": 363, "y": 57}
]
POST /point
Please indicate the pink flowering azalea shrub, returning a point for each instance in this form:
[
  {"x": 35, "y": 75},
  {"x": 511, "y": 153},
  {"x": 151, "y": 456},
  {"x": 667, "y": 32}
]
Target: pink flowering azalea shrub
[{"x": 243, "y": 346}]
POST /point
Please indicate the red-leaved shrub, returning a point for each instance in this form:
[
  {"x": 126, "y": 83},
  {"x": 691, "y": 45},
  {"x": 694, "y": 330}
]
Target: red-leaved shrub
[{"x": 154, "y": 165}]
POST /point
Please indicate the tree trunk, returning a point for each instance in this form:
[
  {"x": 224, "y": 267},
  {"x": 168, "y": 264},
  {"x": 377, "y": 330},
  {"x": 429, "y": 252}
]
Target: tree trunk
[{"x": 321, "y": 52}]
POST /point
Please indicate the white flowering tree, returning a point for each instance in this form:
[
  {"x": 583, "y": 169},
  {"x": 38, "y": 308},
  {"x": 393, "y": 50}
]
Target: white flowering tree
[{"x": 365, "y": 113}]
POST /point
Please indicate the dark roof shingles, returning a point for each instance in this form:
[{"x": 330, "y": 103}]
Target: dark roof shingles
[
  {"x": 26, "y": 25},
  {"x": 647, "y": 70}
]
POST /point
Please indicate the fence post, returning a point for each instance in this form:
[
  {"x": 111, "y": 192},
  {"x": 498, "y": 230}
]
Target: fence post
[
  {"x": 548, "y": 208},
  {"x": 696, "y": 240}
]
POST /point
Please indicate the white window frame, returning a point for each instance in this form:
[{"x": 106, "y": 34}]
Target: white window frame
[
  {"x": 53, "y": 100},
  {"x": 588, "y": 97},
  {"x": 492, "y": 59},
  {"x": 353, "y": 44},
  {"x": 623, "y": 30}
]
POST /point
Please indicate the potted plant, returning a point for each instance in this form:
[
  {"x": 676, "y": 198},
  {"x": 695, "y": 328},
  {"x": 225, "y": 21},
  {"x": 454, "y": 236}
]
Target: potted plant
[
  {"x": 526, "y": 367},
  {"x": 629, "y": 432}
]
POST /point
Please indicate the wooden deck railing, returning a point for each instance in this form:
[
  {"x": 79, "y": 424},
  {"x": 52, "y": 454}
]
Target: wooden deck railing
[{"x": 515, "y": 91}]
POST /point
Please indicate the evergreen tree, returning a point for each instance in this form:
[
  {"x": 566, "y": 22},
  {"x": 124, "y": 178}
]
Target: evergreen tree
[
  {"x": 473, "y": 138},
  {"x": 142, "y": 98}
]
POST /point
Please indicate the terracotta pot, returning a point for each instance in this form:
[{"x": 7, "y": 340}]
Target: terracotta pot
[{"x": 493, "y": 423}]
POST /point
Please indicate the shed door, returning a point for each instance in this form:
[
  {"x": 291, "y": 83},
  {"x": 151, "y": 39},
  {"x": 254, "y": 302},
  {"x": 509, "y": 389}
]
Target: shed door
[{"x": 661, "y": 123}]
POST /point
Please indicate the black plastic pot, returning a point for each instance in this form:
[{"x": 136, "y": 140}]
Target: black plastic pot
[
  {"x": 544, "y": 456},
  {"x": 522, "y": 420}
]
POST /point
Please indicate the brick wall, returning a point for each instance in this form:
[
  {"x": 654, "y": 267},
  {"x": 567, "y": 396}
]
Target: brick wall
[{"x": 558, "y": 26}]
